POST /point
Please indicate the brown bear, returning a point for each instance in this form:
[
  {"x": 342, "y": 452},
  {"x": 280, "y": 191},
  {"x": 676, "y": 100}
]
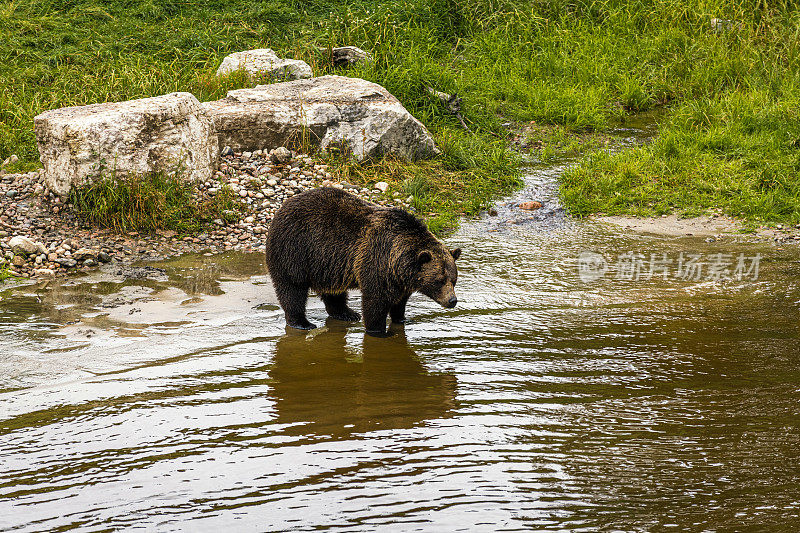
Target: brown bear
[{"x": 330, "y": 241}]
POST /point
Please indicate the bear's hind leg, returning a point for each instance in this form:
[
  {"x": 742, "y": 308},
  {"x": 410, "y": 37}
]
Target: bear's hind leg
[
  {"x": 336, "y": 306},
  {"x": 293, "y": 300}
]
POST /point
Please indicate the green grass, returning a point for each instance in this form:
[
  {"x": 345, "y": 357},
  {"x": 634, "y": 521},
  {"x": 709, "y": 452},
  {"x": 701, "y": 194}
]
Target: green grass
[
  {"x": 150, "y": 203},
  {"x": 5, "y": 271},
  {"x": 739, "y": 153},
  {"x": 581, "y": 64}
]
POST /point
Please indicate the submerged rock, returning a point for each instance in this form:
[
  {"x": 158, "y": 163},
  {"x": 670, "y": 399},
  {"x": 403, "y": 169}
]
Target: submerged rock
[
  {"x": 264, "y": 63},
  {"x": 143, "y": 272},
  {"x": 163, "y": 133},
  {"x": 355, "y": 115}
]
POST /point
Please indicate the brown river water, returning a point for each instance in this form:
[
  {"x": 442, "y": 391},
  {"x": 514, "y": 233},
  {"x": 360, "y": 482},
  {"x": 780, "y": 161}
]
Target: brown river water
[{"x": 173, "y": 398}]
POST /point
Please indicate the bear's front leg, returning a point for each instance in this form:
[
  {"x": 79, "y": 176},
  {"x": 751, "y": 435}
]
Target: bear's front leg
[
  {"x": 398, "y": 311},
  {"x": 375, "y": 311}
]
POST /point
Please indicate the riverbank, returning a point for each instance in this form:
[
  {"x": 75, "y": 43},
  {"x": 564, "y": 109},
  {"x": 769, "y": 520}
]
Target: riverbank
[
  {"x": 728, "y": 75},
  {"x": 62, "y": 241}
]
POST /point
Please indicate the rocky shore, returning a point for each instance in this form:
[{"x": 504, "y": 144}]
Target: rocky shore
[{"x": 42, "y": 237}]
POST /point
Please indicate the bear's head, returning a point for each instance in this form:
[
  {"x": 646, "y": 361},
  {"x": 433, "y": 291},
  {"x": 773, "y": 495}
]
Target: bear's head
[{"x": 438, "y": 274}]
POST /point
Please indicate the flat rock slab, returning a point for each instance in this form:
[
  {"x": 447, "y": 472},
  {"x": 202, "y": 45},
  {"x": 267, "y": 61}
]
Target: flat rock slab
[
  {"x": 352, "y": 114},
  {"x": 163, "y": 133},
  {"x": 264, "y": 65}
]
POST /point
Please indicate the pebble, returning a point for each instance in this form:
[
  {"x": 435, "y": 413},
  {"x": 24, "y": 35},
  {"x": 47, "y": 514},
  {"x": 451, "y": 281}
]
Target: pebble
[
  {"x": 281, "y": 155},
  {"x": 530, "y": 206},
  {"x": 66, "y": 262}
]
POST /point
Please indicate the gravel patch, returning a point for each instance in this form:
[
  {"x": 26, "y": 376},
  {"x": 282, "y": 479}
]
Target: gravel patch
[{"x": 261, "y": 181}]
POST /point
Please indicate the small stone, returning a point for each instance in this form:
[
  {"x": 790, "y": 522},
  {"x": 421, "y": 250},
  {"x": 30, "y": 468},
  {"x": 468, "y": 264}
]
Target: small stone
[
  {"x": 66, "y": 262},
  {"x": 103, "y": 257},
  {"x": 349, "y": 55},
  {"x": 9, "y": 160},
  {"x": 18, "y": 261},
  {"x": 227, "y": 151},
  {"x": 11, "y": 194},
  {"x": 84, "y": 254},
  {"x": 44, "y": 273},
  {"x": 90, "y": 262},
  {"x": 382, "y": 186},
  {"x": 243, "y": 193},
  {"x": 492, "y": 212},
  {"x": 281, "y": 155},
  {"x": 530, "y": 206}
]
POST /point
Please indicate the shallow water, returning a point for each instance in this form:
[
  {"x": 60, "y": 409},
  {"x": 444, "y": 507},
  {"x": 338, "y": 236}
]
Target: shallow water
[{"x": 178, "y": 401}]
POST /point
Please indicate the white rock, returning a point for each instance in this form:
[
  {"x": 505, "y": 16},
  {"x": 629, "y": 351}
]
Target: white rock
[
  {"x": 329, "y": 111},
  {"x": 44, "y": 273},
  {"x": 10, "y": 160},
  {"x": 24, "y": 245},
  {"x": 152, "y": 134},
  {"x": 263, "y": 64},
  {"x": 382, "y": 186},
  {"x": 281, "y": 154}
]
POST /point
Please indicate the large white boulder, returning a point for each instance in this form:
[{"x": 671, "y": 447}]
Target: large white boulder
[
  {"x": 164, "y": 133},
  {"x": 330, "y": 111},
  {"x": 264, "y": 65}
]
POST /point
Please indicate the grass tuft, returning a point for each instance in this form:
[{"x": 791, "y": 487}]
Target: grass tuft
[{"x": 150, "y": 203}]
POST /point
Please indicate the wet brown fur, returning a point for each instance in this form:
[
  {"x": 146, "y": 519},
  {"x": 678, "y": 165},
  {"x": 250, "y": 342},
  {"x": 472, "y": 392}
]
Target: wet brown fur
[{"x": 330, "y": 241}]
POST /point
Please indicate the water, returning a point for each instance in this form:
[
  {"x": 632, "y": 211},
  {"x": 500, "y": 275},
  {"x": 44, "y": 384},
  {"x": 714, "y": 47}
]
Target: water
[{"x": 175, "y": 399}]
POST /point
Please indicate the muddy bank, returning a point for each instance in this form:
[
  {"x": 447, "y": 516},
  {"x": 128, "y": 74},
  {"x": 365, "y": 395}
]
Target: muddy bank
[{"x": 714, "y": 227}]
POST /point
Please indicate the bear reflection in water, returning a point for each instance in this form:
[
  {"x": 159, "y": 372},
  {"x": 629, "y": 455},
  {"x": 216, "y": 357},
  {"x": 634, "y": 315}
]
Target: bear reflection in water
[{"x": 338, "y": 389}]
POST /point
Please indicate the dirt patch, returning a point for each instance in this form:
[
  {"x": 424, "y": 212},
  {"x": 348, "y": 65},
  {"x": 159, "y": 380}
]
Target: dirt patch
[{"x": 703, "y": 226}]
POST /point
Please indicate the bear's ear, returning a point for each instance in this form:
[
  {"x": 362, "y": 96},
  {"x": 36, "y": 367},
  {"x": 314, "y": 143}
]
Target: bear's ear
[
  {"x": 456, "y": 254},
  {"x": 423, "y": 257}
]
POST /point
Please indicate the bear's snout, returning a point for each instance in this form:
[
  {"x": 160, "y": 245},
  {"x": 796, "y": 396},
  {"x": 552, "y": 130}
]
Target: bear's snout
[{"x": 448, "y": 299}]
